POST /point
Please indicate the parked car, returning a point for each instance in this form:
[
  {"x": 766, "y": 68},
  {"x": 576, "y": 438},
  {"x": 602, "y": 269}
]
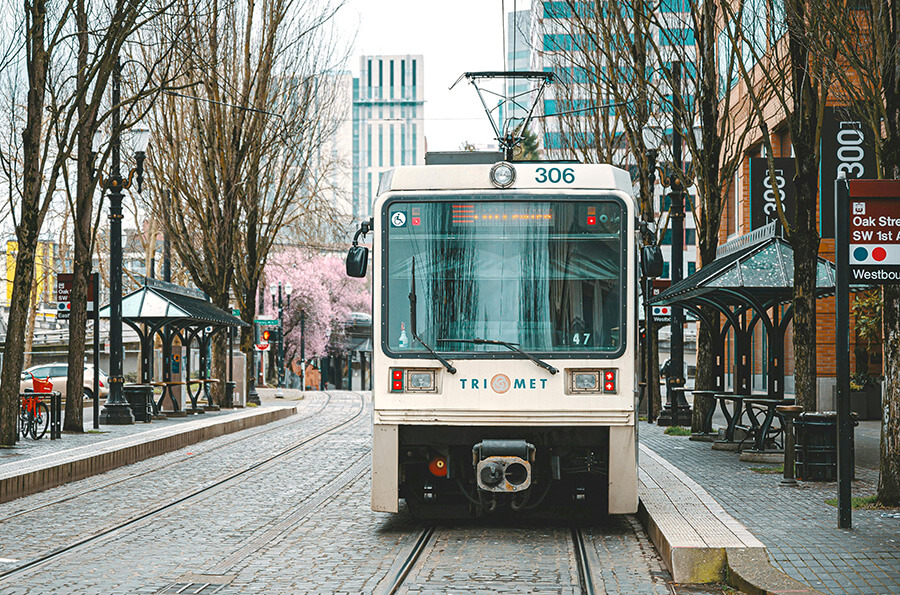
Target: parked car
[{"x": 59, "y": 373}]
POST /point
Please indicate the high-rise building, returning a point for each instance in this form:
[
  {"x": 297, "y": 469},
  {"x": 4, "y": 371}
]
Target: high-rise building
[
  {"x": 518, "y": 59},
  {"x": 388, "y": 122}
]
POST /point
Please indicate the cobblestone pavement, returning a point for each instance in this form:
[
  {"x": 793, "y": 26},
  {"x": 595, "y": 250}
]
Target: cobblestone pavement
[
  {"x": 487, "y": 558},
  {"x": 796, "y": 525},
  {"x": 299, "y": 524}
]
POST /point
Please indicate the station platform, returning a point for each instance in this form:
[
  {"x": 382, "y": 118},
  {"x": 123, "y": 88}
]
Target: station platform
[
  {"x": 713, "y": 517},
  {"x": 36, "y": 465}
]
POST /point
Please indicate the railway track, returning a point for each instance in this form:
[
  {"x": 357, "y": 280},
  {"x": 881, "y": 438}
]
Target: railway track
[
  {"x": 355, "y": 471},
  {"x": 224, "y": 442},
  {"x": 411, "y": 562}
]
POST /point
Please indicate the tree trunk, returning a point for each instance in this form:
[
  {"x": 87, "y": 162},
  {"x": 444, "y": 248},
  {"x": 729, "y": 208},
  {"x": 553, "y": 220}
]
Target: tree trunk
[
  {"x": 29, "y": 223},
  {"x": 889, "y": 475},
  {"x": 655, "y": 393},
  {"x": 219, "y": 366},
  {"x": 81, "y": 266},
  {"x": 29, "y": 328},
  {"x": 705, "y": 376}
]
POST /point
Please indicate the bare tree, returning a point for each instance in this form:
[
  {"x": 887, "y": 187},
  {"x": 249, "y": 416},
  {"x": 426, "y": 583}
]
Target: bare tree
[
  {"x": 630, "y": 88},
  {"x": 864, "y": 53},
  {"x": 237, "y": 150}
]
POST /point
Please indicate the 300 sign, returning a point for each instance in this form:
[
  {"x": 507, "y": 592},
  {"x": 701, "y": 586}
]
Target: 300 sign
[
  {"x": 850, "y": 150},
  {"x": 770, "y": 208},
  {"x": 554, "y": 175}
]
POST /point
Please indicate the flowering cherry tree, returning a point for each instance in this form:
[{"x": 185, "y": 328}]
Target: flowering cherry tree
[{"x": 323, "y": 292}]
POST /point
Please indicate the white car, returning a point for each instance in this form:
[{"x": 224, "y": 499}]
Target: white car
[{"x": 58, "y": 374}]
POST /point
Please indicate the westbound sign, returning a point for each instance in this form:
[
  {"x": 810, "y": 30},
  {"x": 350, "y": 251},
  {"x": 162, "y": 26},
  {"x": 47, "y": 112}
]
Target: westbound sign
[
  {"x": 64, "y": 292},
  {"x": 866, "y": 251},
  {"x": 874, "y": 242}
]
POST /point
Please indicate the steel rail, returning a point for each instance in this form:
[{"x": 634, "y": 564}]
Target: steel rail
[
  {"x": 59, "y": 552},
  {"x": 229, "y": 441},
  {"x": 411, "y": 558},
  {"x": 581, "y": 558}
]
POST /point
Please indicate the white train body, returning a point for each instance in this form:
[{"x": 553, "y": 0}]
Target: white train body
[{"x": 546, "y": 265}]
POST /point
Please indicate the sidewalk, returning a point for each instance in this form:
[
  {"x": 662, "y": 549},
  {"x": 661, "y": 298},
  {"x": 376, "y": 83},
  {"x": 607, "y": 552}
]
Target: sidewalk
[
  {"x": 795, "y": 525},
  {"x": 35, "y": 465}
]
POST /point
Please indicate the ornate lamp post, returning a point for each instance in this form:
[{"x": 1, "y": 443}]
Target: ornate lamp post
[
  {"x": 279, "y": 355},
  {"x": 117, "y": 410}
]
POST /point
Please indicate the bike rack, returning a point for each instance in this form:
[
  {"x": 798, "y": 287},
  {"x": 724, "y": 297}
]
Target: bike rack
[{"x": 55, "y": 415}]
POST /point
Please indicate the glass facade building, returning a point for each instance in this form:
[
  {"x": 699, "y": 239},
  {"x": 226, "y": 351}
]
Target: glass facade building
[{"x": 388, "y": 122}]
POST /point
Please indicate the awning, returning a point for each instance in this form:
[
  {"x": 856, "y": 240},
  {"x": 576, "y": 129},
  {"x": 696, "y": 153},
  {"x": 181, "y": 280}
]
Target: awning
[{"x": 159, "y": 302}]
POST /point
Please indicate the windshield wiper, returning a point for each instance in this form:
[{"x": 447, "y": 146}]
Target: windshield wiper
[
  {"x": 508, "y": 345},
  {"x": 412, "y": 323}
]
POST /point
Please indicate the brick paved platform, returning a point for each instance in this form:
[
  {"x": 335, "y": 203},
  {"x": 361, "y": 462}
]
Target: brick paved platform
[
  {"x": 32, "y": 466},
  {"x": 804, "y": 551}
]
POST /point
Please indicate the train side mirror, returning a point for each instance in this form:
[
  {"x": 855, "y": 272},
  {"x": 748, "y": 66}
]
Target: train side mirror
[
  {"x": 357, "y": 261},
  {"x": 358, "y": 256},
  {"x": 651, "y": 261}
]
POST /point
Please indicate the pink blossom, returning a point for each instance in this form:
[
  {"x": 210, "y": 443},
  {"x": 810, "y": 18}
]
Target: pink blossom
[{"x": 322, "y": 291}]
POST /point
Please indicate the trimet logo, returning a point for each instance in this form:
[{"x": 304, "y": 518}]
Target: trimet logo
[{"x": 501, "y": 383}]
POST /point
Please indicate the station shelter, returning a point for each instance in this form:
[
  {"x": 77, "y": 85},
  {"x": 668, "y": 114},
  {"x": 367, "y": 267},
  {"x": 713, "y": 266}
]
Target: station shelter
[
  {"x": 181, "y": 318},
  {"x": 750, "y": 285}
]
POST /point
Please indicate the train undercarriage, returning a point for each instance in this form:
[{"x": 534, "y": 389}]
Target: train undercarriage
[{"x": 459, "y": 472}]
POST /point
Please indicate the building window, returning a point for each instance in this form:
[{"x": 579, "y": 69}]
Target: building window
[
  {"x": 391, "y": 147},
  {"x": 369, "y": 73},
  {"x": 413, "y": 144},
  {"x": 391, "y": 75},
  {"x": 380, "y": 146},
  {"x": 402, "y": 144},
  {"x": 414, "y": 77},
  {"x": 369, "y": 146}
]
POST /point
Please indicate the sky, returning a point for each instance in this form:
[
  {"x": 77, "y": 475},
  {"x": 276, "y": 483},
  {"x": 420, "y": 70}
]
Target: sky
[{"x": 454, "y": 37}]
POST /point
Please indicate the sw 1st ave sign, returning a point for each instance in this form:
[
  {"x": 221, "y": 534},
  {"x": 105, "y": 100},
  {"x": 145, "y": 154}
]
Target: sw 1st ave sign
[{"x": 874, "y": 232}]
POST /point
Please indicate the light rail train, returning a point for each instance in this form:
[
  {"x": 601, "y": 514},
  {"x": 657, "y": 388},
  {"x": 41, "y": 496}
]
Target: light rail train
[{"x": 504, "y": 338}]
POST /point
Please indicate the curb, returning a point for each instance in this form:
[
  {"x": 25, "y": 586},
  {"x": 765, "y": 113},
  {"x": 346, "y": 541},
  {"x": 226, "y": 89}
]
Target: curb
[
  {"x": 56, "y": 469},
  {"x": 752, "y": 573}
]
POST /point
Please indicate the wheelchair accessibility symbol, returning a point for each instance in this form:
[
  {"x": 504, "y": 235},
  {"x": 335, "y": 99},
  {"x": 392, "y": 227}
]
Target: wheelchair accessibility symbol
[{"x": 398, "y": 219}]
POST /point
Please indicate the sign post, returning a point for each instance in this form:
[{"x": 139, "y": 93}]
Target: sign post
[{"x": 866, "y": 251}]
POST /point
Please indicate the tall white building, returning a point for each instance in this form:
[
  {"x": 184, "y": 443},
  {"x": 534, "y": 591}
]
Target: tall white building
[
  {"x": 518, "y": 58},
  {"x": 388, "y": 122}
]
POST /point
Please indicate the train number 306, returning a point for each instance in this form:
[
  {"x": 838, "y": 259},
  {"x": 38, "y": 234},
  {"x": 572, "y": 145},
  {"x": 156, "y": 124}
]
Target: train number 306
[{"x": 554, "y": 175}]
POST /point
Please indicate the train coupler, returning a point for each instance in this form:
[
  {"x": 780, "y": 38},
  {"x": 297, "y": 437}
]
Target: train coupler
[{"x": 503, "y": 466}]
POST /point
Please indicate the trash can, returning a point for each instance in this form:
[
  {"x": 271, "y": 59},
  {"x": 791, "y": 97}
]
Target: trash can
[
  {"x": 816, "y": 444},
  {"x": 229, "y": 394},
  {"x": 138, "y": 397}
]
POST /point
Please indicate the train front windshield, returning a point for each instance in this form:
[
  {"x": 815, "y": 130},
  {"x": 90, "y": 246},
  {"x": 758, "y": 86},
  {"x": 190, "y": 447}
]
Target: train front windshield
[{"x": 545, "y": 276}]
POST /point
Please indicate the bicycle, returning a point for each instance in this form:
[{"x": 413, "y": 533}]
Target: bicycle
[{"x": 34, "y": 415}]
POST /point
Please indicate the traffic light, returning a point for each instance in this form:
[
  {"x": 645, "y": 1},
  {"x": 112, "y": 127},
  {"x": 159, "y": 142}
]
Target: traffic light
[{"x": 265, "y": 336}]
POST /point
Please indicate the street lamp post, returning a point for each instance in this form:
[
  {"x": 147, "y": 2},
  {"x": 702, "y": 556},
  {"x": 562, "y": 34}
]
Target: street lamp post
[
  {"x": 279, "y": 355},
  {"x": 117, "y": 411}
]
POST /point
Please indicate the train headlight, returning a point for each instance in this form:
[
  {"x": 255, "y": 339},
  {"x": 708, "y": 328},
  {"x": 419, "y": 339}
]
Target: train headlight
[
  {"x": 421, "y": 380},
  {"x": 413, "y": 381},
  {"x": 503, "y": 175},
  {"x": 592, "y": 382},
  {"x": 586, "y": 381}
]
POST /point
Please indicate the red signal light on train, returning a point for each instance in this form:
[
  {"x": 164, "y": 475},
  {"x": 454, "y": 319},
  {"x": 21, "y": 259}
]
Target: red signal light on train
[
  {"x": 609, "y": 381},
  {"x": 592, "y": 220},
  {"x": 397, "y": 375},
  {"x": 438, "y": 467},
  {"x": 417, "y": 221}
]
